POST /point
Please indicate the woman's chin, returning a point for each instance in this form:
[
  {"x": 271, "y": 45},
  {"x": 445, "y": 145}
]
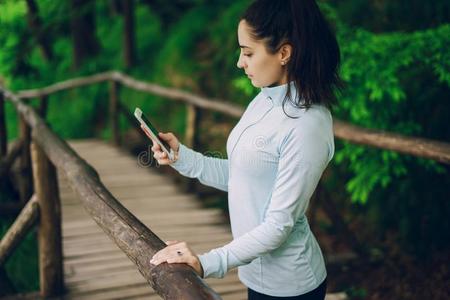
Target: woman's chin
[{"x": 254, "y": 83}]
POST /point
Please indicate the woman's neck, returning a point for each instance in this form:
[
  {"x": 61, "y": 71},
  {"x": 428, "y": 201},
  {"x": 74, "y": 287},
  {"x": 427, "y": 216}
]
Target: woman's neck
[{"x": 283, "y": 80}]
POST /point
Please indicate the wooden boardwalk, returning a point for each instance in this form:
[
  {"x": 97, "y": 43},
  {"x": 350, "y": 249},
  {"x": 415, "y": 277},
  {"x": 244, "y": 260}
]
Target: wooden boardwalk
[{"x": 95, "y": 268}]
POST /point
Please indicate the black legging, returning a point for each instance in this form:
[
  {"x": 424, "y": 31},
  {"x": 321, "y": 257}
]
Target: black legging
[{"x": 316, "y": 294}]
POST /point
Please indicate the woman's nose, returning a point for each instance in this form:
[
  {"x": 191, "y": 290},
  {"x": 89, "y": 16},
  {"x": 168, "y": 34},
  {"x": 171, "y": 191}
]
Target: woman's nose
[{"x": 239, "y": 64}]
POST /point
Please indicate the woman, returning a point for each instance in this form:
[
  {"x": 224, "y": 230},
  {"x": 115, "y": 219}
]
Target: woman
[{"x": 276, "y": 155}]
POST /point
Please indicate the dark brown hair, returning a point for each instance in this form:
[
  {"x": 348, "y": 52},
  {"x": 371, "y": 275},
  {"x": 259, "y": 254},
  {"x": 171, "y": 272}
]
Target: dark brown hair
[{"x": 315, "y": 59}]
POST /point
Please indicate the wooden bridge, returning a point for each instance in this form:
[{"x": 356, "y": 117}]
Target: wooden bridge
[
  {"x": 94, "y": 204},
  {"x": 94, "y": 268}
]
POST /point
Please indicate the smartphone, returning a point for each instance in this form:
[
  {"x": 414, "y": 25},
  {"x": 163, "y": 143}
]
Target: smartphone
[{"x": 151, "y": 130}]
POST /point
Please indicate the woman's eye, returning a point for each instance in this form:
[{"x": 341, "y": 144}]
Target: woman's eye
[{"x": 248, "y": 55}]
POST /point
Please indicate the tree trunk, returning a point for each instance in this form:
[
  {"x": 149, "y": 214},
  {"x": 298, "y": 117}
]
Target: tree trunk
[
  {"x": 82, "y": 23},
  {"x": 35, "y": 24},
  {"x": 129, "y": 40},
  {"x": 3, "y": 135}
]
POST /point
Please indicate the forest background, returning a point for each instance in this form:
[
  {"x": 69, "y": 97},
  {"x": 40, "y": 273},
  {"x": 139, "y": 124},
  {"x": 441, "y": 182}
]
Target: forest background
[{"x": 396, "y": 68}]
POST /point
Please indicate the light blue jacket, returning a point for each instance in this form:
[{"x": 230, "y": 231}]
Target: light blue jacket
[{"x": 273, "y": 167}]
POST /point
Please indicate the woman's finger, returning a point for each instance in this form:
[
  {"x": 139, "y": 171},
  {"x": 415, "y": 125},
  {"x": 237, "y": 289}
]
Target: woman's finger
[
  {"x": 165, "y": 253},
  {"x": 160, "y": 155},
  {"x": 156, "y": 147},
  {"x": 178, "y": 259},
  {"x": 178, "y": 248},
  {"x": 177, "y": 252},
  {"x": 171, "y": 139},
  {"x": 171, "y": 242}
]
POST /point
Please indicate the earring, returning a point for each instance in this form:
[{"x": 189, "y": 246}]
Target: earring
[{"x": 283, "y": 63}]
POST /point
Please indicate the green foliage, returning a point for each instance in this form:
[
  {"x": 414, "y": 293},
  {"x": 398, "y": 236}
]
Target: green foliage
[
  {"x": 356, "y": 293},
  {"x": 395, "y": 81},
  {"x": 22, "y": 266},
  {"x": 175, "y": 63},
  {"x": 377, "y": 65}
]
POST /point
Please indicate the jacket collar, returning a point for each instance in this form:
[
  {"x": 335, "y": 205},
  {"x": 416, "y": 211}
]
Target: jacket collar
[{"x": 277, "y": 93}]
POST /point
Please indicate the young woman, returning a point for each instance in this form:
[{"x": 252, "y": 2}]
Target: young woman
[{"x": 277, "y": 153}]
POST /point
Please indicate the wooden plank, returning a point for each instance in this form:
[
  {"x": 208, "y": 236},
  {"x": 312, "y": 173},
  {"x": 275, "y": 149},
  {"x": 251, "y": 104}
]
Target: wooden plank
[
  {"x": 72, "y": 203},
  {"x": 106, "y": 248},
  {"x": 107, "y": 282},
  {"x": 151, "y": 192},
  {"x": 239, "y": 295},
  {"x": 174, "y": 202},
  {"x": 156, "y": 226},
  {"x": 107, "y": 258},
  {"x": 190, "y": 237},
  {"x": 140, "y": 289},
  {"x": 88, "y": 272},
  {"x": 98, "y": 250},
  {"x": 167, "y": 230},
  {"x": 236, "y": 292},
  {"x": 77, "y": 275},
  {"x": 111, "y": 255},
  {"x": 144, "y": 208},
  {"x": 126, "y": 179},
  {"x": 183, "y": 217},
  {"x": 118, "y": 280},
  {"x": 78, "y": 249},
  {"x": 94, "y": 267}
]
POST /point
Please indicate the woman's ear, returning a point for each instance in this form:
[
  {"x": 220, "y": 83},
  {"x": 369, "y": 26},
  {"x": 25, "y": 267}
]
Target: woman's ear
[{"x": 285, "y": 53}]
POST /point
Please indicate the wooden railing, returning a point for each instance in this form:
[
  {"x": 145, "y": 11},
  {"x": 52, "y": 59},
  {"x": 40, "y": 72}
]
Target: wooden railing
[
  {"x": 48, "y": 152},
  {"x": 416, "y": 146}
]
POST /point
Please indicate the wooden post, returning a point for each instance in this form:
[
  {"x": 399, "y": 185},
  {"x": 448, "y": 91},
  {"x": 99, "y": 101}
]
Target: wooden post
[
  {"x": 191, "y": 140},
  {"x": 43, "y": 106},
  {"x": 191, "y": 125},
  {"x": 25, "y": 183},
  {"x": 49, "y": 233},
  {"x": 8, "y": 160},
  {"x": 128, "y": 33},
  {"x": 114, "y": 111},
  {"x": 3, "y": 135}
]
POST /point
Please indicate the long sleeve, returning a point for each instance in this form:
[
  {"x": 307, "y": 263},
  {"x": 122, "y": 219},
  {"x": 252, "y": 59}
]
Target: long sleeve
[
  {"x": 302, "y": 159},
  {"x": 209, "y": 171}
]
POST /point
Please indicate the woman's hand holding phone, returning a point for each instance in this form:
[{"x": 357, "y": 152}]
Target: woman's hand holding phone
[{"x": 160, "y": 155}]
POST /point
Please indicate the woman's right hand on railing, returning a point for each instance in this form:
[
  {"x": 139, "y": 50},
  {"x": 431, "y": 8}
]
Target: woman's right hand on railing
[{"x": 160, "y": 155}]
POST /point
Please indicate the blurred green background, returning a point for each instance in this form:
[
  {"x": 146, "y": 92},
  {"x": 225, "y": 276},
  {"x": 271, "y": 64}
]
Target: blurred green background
[{"x": 395, "y": 62}]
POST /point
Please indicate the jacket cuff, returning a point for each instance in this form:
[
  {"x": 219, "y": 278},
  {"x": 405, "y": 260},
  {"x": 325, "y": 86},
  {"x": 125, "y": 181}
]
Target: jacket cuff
[
  {"x": 212, "y": 264},
  {"x": 183, "y": 158}
]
